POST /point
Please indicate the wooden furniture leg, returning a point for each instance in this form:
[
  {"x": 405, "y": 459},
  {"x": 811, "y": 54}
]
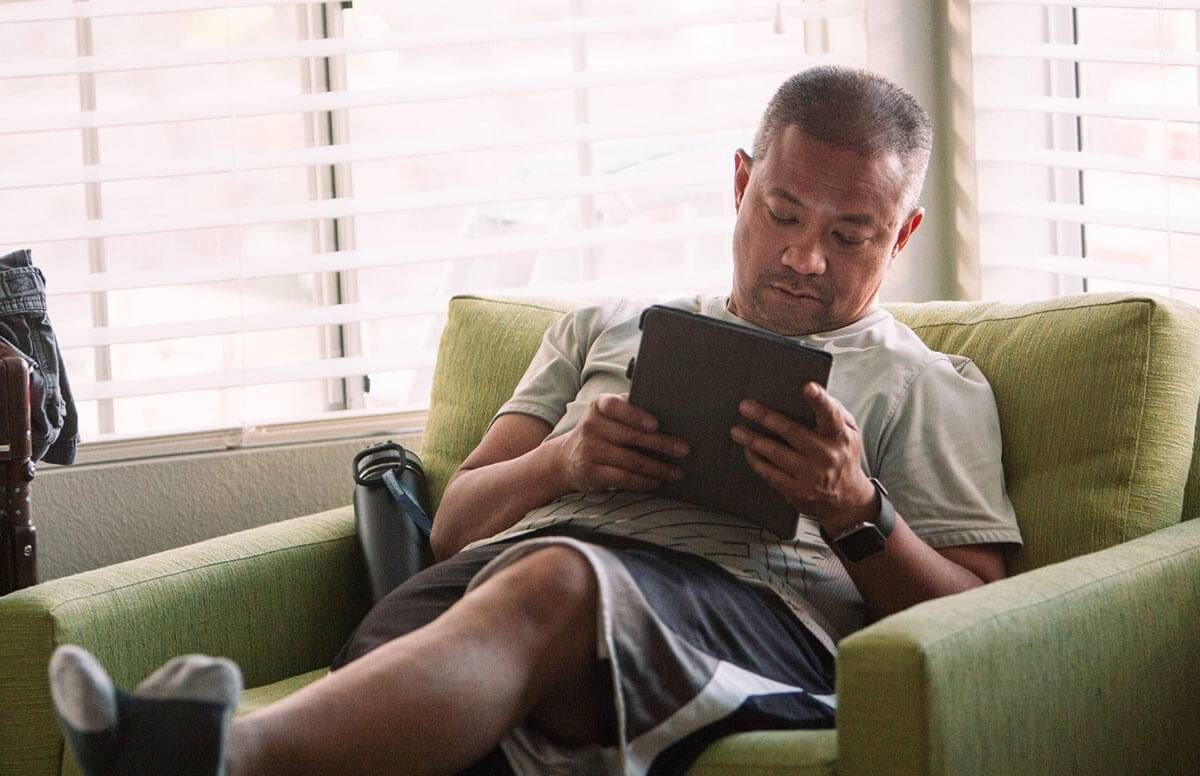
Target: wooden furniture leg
[{"x": 18, "y": 537}]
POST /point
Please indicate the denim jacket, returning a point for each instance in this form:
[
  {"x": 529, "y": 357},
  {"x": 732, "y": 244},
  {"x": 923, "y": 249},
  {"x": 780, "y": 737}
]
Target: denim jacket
[{"x": 25, "y": 326}]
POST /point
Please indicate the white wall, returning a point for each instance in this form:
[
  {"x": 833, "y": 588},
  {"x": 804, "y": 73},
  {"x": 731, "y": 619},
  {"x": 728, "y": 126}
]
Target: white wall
[{"x": 95, "y": 515}]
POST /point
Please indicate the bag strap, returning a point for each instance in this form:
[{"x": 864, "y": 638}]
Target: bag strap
[{"x": 407, "y": 500}]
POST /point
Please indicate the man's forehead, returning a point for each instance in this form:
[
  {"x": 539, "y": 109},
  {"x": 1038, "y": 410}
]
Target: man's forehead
[{"x": 803, "y": 171}]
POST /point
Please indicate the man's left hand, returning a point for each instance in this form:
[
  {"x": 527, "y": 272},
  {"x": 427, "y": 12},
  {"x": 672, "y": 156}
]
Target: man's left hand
[{"x": 818, "y": 469}]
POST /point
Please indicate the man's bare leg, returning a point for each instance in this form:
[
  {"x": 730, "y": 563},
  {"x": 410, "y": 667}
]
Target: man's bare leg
[{"x": 520, "y": 645}]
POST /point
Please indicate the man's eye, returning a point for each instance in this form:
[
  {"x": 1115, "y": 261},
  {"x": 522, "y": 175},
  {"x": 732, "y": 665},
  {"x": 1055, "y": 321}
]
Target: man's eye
[
  {"x": 780, "y": 219},
  {"x": 847, "y": 241}
]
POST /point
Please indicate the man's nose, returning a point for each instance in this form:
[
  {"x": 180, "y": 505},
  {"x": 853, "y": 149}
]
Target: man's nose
[{"x": 804, "y": 256}]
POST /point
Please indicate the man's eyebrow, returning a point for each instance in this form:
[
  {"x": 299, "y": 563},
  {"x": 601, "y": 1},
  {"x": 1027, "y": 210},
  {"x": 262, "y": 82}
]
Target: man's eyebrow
[
  {"x": 782, "y": 194},
  {"x": 858, "y": 219}
]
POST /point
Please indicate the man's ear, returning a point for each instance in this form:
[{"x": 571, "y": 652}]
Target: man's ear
[
  {"x": 906, "y": 231},
  {"x": 741, "y": 176}
]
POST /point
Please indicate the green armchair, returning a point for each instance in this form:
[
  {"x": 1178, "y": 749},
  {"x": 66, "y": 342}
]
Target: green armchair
[{"x": 1082, "y": 661}]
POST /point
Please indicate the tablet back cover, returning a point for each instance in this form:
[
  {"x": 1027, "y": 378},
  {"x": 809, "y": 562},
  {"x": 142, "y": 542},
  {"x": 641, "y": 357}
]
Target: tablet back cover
[{"x": 691, "y": 372}]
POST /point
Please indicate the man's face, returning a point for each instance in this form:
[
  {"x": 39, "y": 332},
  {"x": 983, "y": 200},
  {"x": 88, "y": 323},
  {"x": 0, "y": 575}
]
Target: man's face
[{"x": 817, "y": 227}]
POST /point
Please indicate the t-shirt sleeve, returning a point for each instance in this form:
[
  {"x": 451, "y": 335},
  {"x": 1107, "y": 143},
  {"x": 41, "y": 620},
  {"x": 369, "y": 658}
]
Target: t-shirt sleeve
[
  {"x": 940, "y": 458},
  {"x": 554, "y": 376}
]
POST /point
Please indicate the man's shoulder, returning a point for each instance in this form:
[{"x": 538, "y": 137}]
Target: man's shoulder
[
  {"x": 597, "y": 315},
  {"x": 882, "y": 364},
  {"x": 879, "y": 341},
  {"x": 915, "y": 353}
]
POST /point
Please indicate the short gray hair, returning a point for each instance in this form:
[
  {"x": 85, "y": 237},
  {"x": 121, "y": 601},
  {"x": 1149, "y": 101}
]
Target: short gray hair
[{"x": 857, "y": 110}]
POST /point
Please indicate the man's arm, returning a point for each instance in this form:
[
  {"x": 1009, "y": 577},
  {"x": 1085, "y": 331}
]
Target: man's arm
[
  {"x": 909, "y": 571},
  {"x": 514, "y": 469},
  {"x": 818, "y": 470},
  {"x": 506, "y": 475}
]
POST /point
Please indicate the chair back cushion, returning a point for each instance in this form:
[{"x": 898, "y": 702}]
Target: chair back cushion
[
  {"x": 485, "y": 348},
  {"x": 1191, "y": 494},
  {"x": 1097, "y": 396}
]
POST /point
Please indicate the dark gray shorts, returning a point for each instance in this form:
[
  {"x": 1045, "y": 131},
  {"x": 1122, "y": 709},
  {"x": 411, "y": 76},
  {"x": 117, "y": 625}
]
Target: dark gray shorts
[{"x": 694, "y": 653}]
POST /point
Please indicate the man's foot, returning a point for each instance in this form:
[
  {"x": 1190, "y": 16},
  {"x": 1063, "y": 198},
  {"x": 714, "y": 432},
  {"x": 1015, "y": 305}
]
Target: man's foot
[{"x": 174, "y": 723}]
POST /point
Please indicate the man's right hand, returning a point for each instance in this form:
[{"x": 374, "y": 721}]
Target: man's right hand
[{"x": 608, "y": 448}]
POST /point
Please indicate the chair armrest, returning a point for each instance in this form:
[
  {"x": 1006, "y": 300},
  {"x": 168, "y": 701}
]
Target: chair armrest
[
  {"x": 1085, "y": 666},
  {"x": 279, "y": 600}
]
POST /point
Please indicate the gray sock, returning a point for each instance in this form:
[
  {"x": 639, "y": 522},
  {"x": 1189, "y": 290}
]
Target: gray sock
[
  {"x": 86, "y": 702},
  {"x": 175, "y": 722}
]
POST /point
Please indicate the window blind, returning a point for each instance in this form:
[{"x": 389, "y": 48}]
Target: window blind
[
  {"x": 1087, "y": 145},
  {"x": 255, "y": 211}
]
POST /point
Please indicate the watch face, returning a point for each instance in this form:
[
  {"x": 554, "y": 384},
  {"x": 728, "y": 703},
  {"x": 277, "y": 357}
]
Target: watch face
[{"x": 864, "y": 542}]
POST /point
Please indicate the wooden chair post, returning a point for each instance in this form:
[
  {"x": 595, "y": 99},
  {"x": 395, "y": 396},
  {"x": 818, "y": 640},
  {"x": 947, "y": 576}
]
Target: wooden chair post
[{"x": 18, "y": 537}]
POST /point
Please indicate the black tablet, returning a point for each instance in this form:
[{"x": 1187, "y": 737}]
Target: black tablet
[{"x": 691, "y": 372}]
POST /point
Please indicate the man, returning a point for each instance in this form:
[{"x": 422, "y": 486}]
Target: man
[{"x": 582, "y": 624}]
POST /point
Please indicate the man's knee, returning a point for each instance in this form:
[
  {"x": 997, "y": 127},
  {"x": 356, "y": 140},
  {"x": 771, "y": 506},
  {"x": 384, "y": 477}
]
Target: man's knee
[
  {"x": 555, "y": 586},
  {"x": 561, "y": 593}
]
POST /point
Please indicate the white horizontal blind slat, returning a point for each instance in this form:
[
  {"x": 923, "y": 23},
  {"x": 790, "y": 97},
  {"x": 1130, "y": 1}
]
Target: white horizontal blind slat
[
  {"x": 350, "y": 206},
  {"x": 401, "y": 307},
  {"x": 66, "y": 10},
  {"x": 660, "y": 286},
  {"x": 63, "y": 10},
  {"x": 396, "y": 307},
  {"x": 1148, "y": 5},
  {"x": 484, "y": 85},
  {"x": 447, "y": 143},
  {"x": 760, "y": 11},
  {"x": 1084, "y": 161},
  {"x": 1071, "y": 53},
  {"x": 263, "y": 375},
  {"x": 1067, "y": 106},
  {"x": 399, "y": 255},
  {"x": 1083, "y": 268},
  {"x": 1082, "y": 214}
]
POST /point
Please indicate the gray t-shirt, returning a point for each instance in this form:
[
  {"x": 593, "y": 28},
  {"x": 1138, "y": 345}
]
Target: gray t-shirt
[{"x": 930, "y": 435}]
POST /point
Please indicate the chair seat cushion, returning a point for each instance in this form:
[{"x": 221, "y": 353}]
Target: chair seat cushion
[
  {"x": 791, "y": 752},
  {"x": 255, "y": 698}
]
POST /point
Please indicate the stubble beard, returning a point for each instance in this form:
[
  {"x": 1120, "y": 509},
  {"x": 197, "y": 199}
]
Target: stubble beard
[{"x": 770, "y": 315}]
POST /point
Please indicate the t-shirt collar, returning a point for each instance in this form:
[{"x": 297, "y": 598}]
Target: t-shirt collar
[{"x": 718, "y": 307}]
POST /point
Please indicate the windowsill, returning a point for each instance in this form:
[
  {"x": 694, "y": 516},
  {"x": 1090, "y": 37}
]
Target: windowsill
[{"x": 342, "y": 426}]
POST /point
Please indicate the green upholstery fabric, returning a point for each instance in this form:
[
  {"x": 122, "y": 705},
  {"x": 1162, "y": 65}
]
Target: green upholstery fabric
[
  {"x": 256, "y": 698},
  {"x": 279, "y": 600},
  {"x": 485, "y": 347},
  {"x": 1084, "y": 667},
  {"x": 771, "y": 753},
  {"x": 1191, "y": 494},
  {"x": 1097, "y": 397}
]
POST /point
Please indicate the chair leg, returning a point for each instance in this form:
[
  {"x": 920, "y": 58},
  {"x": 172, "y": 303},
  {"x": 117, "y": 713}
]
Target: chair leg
[{"x": 18, "y": 536}]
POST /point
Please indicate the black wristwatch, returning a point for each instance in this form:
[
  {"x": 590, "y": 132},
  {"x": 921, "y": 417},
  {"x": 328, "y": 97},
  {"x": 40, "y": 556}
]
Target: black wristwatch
[{"x": 861, "y": 541}]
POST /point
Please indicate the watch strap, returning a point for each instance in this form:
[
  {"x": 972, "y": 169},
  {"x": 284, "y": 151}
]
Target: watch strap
[
  {"x": 886, "y": 521},
  {"x": 850, "y": 541}
]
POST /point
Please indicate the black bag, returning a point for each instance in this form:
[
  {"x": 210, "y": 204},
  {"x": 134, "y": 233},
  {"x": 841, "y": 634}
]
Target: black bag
[{"x": 391, "y": 515}]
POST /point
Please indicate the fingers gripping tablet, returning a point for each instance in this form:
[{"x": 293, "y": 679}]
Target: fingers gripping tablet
[{"x": 691, "y": 372}]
